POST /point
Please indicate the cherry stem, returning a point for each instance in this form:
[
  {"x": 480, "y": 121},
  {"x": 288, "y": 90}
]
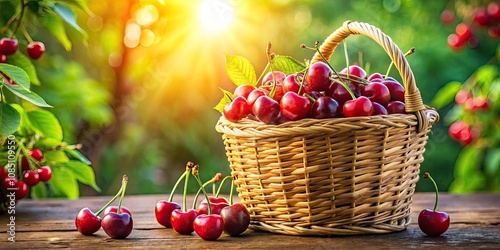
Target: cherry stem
[
  {"x": 184, "y": 200},
  {"x": 175, "y": 186},
  {"x": 111, "y": 201},
  {"x": 409, "y": 52},
  {"x": 199, "y": 191},
  {"x": 427, "y": 175},
  {"x": 231, "y": 193},
  {"x": 220, "y": 186},
  {"x": 309, "y": 97},
  {"x": 269, "y": 60},
  {"x": 205, "y": 194},
  {"x": 124, "y": 185},
  {"x": 263, "y": 72},
  {"x": 19, "y": 19}
]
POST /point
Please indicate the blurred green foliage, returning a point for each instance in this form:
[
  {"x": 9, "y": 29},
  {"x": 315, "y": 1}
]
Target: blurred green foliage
[{"x": 162, "y": 92}]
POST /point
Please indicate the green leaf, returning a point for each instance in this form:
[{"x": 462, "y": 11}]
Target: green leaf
[
  {"x": 28, "y": 96},
  {"x": 226, "y": 99},
  {"x": 10, "y": 119},
  {"x": 38, "y": 191},
  {"x": 492, "y": 161},
  {"x": 47, "y": 143},
  {"x": 55, "y": 25},
  {"x": 64, "y": 182},
  {"x": 467, "y": 162},
  {"x": 75, "y": 153},
  {"x": 45, "y": 123},
  {"x": 55, "y": 156},
  {"x": 82, "y": 172},
  {"x": 446, "y": 94},
  {"x": 22, "y": 61},
  {"x": 240, "y": 70},
  {"x": 17, "y": 75},
  {"x": 69, "y": 17},
  {"x": 77, "y": 3},
  {"x": 287, "y": 65}
]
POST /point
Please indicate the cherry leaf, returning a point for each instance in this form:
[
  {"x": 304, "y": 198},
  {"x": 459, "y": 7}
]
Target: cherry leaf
[
  {"x": 287, "y": 65},
  {"x": 240, "y": 70},
  {"x": 226, "y": 99}
]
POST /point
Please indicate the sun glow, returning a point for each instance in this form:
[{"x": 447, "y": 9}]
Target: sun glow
[{"x": 215, "y": 15}]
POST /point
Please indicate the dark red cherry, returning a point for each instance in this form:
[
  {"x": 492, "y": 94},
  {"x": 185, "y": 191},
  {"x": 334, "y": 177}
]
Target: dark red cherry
[
  {"x": 379, "y": 109},
  {"x": 318, "y": 77},
  {"x": 377, "y": 92},
  {"x": 266, "y": 109},
  {"x": 396, "y": 107},
  {"x": 325, "y": 107}
]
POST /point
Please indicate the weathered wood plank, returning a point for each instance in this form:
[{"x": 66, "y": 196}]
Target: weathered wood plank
[{"x": 50, "y": 224}]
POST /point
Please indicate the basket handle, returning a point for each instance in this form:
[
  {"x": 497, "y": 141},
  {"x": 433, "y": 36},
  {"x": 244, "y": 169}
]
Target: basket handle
[{"x": 413, "y": 99}]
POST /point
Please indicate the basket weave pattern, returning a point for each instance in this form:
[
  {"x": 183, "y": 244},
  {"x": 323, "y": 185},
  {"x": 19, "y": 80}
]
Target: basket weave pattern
[{"x": 337, "y": 176}]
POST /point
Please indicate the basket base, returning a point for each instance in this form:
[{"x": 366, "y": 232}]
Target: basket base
[{"x": 329, "y": 231}]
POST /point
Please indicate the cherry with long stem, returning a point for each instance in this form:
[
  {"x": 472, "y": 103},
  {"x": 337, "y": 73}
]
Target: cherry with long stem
[
  {"x": 433, "y": 222},
  {"x": 118, "y": 225},
  {"x": 236, "y": 217},
  {"x": 164, "y": 208},
  {"x": 182, "y": 219}
]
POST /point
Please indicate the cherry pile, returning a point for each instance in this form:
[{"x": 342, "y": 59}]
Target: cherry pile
[
  {"x": 213, "y": 216},
  {"x": 116, "y": 222},
  {"x": 32, "y": 174},
  {"x": 482, "y": 17},
  {"x": 319, "y": 93}
]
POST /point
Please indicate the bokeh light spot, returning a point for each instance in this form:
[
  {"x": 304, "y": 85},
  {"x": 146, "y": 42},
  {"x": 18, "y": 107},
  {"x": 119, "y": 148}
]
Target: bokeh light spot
[
  {"x": 147, "y": 38},
  {"x": 147, "y": 15}
]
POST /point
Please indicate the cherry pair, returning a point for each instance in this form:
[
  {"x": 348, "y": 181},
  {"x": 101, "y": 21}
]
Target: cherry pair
[{"x": 9, "y": 46}]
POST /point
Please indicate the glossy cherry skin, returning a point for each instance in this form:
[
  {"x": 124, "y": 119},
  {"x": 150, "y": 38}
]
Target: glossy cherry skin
[
  {"x": 354, "y": 70},
  {"x": 117, "y": 226},
  {"x": 10, "y": 182},
  {"x": 22, "y": 190},
  {"x": 163, "y": 212},
  {"x": 35, "y": 50},
  {"x": 338, "y": 92},
  {"x": 276, "y": 75},
  {"x": 292, "y": 83},
  {"x": 463, "y": 31},
  {"x": 378, "y": 109},
  {"x": 455, "y": 42},
  {"x": 182, "y": 222},
  {"x": 217, "y": 204},
  {"x": 396, "y": 107},
  {"x": 278, "y": 92},
  {"x": 295, "y": 107},
  {"x": 433, "y": 223},
  {"x": 253, "y": 96},
  {"x": 377, "y": 92},
  {"x": 481, "y": 17},
  {"x": 243, "y": 90},
  {"x": 376, "y": 77},
  {"x": 325, "y": 107},
  {"x": 266, "y": 109},
  {"x": 35, "y": 153},
  {"x": 494, "y": 11},
  {"x": 8, "y": 46},
  {"x": 87, "y": 222},
  {"x": 318, "y": 77},
  {"x": 45, "y": 173},
  {"x": 31, "y": 178},
  {"x": 114, "y": 209},
  {"x": 237, "y": 109},
  {"x": 236, "y": 219},
  {"x": 3, "y": 58},
  {"x": 397, "y": 90},
  {"x": 208, "y": 227},
  {"x": 362, "y": 106},
  {"x": 461, "y": 132}
]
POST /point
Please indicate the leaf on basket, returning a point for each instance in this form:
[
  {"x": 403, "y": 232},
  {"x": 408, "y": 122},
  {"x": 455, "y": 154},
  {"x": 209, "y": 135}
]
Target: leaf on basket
[
  {"x": 287, "y": 65},
  {"x": 240, "y": 70},
  {"x": 226, "y": 99},
  {"x": 446, "y": 94}
]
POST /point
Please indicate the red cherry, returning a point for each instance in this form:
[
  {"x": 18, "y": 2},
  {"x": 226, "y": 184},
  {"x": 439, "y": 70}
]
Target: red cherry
[
  {"x": 278, "y": 76},
  {"x": 35, "y": 50},
  {"x": 266, "y": 109},
  {"x": 463, "y": 31},
  {"x": 318, "y": 77},
  {"x": 494, "y": 10},
  {"x": 10, "y": 182},
  {"x": 243, "y": 90},
  {"x": 208, "y": 227},
  {"x": 3, "y": 58},
  {"x": 456, "y": 128},
  {"x": 462, "y": 97},
  {"x": 376, "y": 77},
  {"x": 481, "y": 17},
  {"x": 114, "y": 209},
  {"x": 292, "y": 83},
  {"x": 355, "y": 73},
  {"x": 3, "y": 173},
  {"x": 236, "y": 219},
  {"x": 447, "y": 17},
  {"x": 87, "y": 222},
  {"x": 432, "y": 222},
  {"x": 362, "y": 106},
  {"x": 295, "y": 107},
  {"x": 455, "y": 42},
  {"x": 397, "y": 90},
  {"x": 22, "y": 190},
  {"x": 278, "y": 91},
  {"x": 396, "y": 107},
  {"x": 480, "y": 103},
  {"x": 354, "y": 70},
  {"x": 8, "y": 46},
  {"x": 217, "y": 203},
  {"x": 117, "y": 226},
  {"x": 45, "y": 173},
  {"x": 377, "y": 92},
  {"x": 35, "y": 153},
  {"x": 182, "y": 222},
  {"x": 163, "y": 212},
  {"x": 252, "y": 97},
  {"x": 237, "y": 109},
  {"x": 31, "y": 178},
  {"x": 494, "y": 31},
  {"x": 339, "y": 93},
  {"x": 325, "y": 107},
  {"x": 379, "y": 109}
]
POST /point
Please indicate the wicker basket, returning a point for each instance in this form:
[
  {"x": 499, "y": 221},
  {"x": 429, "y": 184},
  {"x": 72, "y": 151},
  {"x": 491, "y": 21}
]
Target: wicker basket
[{"x": 339, "y": 176}]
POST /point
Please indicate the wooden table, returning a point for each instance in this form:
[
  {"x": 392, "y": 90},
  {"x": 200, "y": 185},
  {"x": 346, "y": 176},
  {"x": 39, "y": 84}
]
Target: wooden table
[{"x": 475, "y": 224}]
